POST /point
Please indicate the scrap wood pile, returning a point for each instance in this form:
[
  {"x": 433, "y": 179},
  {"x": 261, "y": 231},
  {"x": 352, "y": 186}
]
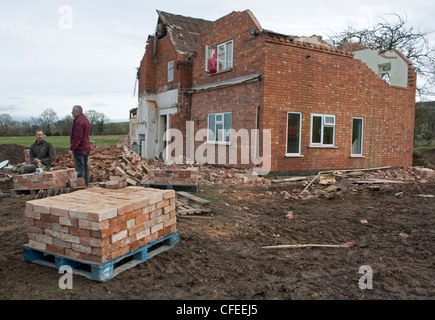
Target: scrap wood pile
[{"x": 329, "y": 184}]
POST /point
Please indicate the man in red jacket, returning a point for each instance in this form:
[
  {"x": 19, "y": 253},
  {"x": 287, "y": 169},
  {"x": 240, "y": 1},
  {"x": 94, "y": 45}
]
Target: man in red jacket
[{"x": 79, "y": 143}]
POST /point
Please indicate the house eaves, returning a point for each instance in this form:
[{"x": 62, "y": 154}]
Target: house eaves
[{"x": 226, "y": 83}]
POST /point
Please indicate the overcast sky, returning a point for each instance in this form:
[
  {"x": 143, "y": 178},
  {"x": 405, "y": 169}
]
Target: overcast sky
[{"x": 55, "y": 54}]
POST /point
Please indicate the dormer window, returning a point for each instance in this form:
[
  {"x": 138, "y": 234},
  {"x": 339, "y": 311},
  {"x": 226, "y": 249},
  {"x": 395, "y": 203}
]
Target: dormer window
[
  {"x": 385, "y": 72},
  {"x": 219, "y": 58}
]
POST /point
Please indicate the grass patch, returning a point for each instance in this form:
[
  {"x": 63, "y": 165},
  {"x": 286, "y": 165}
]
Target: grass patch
[
  {"x": 208, "y": 192},
  {"x": 60, "y": 141}
]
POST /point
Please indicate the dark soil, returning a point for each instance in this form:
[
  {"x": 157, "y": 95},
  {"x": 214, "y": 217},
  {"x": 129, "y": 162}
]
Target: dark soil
[{"x": 223, "y": 258}]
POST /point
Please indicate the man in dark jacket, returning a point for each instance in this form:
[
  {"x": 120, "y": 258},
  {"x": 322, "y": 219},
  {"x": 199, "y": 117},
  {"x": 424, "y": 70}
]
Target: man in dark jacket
[
  {"x": 42, "y": 154},
  {"x": 79, "y": 143}
]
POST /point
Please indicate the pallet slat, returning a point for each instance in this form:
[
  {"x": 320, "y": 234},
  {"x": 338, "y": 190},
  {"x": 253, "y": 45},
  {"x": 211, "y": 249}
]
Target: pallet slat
[{"x": 192, "y": 188}]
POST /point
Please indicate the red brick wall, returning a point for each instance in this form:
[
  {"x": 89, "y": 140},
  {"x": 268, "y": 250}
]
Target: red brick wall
[
  {"x": 147, "y": 73},
  {"x": 243, "y": 99},
  {"x": 247, "y": 49},
  {"x": 154, "y": 75},
  {"x": 336, "y": 84}
]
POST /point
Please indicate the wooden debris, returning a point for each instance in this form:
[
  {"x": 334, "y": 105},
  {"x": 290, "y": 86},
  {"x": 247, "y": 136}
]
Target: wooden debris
[
  {"x": 291, "y": 179},
  {"x": 374, "y": 181},
  {"x": 194, "y": 217},
  {"x": 186, "y": 204},
  {"x": 288, "y": 246},
  {"x": 311, "y": 182},
  {"x": 192, "y": 197}
]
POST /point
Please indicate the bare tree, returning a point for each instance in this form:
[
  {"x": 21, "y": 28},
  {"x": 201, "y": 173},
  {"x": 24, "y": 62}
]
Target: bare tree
[
  {"x": 63, "y": 126},
  {"x": 46, "y": 120},
  {"x": 5, "y": 123},
  {"x": 385, "y": 35},
  {"x": 96, "y": 119}
]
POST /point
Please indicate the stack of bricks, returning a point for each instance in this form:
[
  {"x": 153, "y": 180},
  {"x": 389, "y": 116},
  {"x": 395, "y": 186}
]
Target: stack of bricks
[
  {"x": 98, "y": 225},
  {"x": 47, "y": 180},
  {"x": 187, "y": 177}
]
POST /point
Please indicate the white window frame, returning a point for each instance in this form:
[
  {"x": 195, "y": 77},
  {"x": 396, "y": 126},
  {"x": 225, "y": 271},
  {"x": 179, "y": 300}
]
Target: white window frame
[
  {"x": 298, "y": 154},
  {"x": 385, "y": 72},
  {"x": 227, "y": 49},
  {"x": 226, "y": 133},
  {"x": 171, "y": 71},
  {"x": 356, "y": 155},
  {"x": 323, "y": 125}
]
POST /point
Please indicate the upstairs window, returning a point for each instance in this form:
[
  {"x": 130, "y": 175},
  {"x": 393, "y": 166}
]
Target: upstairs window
[
  {"x": 322, "y": 130},
  {"x": 219, "y": 58},
  {"x": 171, "y": 71},
  {"x": 385, "y": 72}
]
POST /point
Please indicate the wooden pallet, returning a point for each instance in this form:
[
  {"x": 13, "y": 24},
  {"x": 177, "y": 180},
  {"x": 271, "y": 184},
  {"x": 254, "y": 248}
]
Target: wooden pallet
[
  {"x": 186, "y": 203},
  {"x": 41, "y": 193},
  {"x": 105, "y": 271},
  {"x": 176, "y": 187}
]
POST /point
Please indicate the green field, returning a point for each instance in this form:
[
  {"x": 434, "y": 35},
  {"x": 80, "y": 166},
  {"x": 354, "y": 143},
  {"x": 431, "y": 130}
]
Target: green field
[{"x": 60, "y": 141}]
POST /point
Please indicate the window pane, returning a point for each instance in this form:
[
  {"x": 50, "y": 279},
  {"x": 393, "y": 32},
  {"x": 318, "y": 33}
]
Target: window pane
[
  {"x": 211, "y": 126},
  {"x": 357, "y": 136},
  {"x": 218, "y": 117},
  {"x": 170, "y": 71},
  {"x": 221, "y": 58},
  {"x": 328, "y": 135},
  {"x": 229, "y": 55},
  {"x": 329, "y": 120},
  {"x": 220, "y": 132},
  {"x": 316, "y": 130},
  {"x": 293, "y": 129},
  {"x": 208, "y": 56},
  {"x": 227, "y": 125}
]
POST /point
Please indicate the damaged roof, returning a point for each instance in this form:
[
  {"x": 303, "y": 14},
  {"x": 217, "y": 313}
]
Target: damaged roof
[{"x": 183, "y": 31}]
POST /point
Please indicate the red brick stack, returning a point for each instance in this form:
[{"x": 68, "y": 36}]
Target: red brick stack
[
  {"x": 99, "y": 225},
  {"x": 47, "y": 180},
  {"x": 186, "y": 177}
]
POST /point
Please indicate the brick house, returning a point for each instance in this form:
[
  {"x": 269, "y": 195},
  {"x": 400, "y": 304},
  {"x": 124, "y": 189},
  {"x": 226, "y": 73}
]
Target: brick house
[{"x": 326, "y": 108}]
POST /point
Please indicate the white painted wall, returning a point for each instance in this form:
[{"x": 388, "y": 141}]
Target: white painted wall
[
  {"x": 399, "y": 67},
  {"x": 150, "y": 122}
]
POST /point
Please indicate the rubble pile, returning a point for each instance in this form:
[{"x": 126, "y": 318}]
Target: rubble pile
[
  {"x": 111, "y": 166},
  {"x": 119, "y": 166},
  {"x": 231, "y": 176},
  {"x": 329, "y": 184}
]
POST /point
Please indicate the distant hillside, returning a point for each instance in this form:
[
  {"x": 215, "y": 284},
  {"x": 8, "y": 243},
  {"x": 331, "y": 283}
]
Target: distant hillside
[{"x": 426, "y": 103}]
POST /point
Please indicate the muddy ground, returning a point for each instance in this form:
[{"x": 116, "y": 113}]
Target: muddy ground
[{"x": 222, "y": 257}]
